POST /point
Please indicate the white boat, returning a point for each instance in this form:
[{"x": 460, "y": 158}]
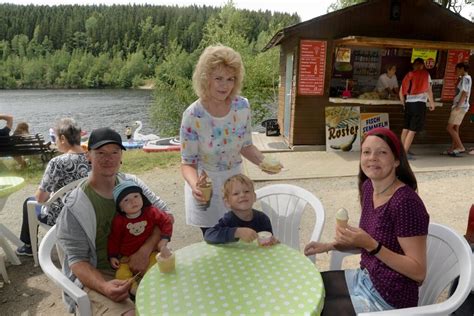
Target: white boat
[{"x": 163, "y": 144}]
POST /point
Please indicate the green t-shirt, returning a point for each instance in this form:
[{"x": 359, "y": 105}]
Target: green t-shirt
[{"x": 104, "y": 212}]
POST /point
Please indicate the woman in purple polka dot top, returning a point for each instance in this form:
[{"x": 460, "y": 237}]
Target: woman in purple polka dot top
[{"x": 391, "y": 236}]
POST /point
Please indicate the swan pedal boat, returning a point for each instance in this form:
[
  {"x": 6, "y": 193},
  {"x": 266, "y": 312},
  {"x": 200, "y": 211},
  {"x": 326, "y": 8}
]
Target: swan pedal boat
[{"x": 164, "y": 144}]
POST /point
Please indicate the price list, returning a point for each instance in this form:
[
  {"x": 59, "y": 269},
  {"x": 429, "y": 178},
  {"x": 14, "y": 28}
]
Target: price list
[
  {"x": 312, "y": 67},
  {"x": 449, "y": 86}
]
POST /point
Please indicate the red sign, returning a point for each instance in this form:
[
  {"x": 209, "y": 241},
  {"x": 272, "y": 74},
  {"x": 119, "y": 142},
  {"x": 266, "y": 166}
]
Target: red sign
[
  {"x": 455, "y": 56},
  {"x": 312, "y": 67}
]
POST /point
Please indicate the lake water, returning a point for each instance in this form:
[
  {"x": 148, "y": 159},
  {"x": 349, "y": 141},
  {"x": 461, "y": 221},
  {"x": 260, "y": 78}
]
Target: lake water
[{"x": 90, "y": 108}]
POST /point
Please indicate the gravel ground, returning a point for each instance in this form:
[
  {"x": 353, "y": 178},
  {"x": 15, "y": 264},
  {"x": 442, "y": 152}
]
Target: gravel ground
[{"x": 446, "y": 194}]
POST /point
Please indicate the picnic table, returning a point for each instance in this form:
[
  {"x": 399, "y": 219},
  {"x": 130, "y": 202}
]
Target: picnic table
[{"x": 236, "y": 278}]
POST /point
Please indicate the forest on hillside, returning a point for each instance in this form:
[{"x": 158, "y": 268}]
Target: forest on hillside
[
  {"x": 75, "y": 46},
  {"x": 123, "y": 46}
]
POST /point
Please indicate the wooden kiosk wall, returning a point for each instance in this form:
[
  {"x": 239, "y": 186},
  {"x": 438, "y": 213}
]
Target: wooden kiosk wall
[{"x": 370, "y": 19}]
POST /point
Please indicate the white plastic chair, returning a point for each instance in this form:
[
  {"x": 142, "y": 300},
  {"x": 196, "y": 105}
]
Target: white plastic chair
[
  {"x": 54, "y": 274},
  {"x": 448, "y": 256},
  {"x": 284, "y": 204},
  {"x": 33, "y": 221}
]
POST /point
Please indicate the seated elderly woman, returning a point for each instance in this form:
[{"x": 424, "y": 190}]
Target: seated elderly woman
[
  {"x": 391, "y": 235},
  {"x": 60, "y": 171}
]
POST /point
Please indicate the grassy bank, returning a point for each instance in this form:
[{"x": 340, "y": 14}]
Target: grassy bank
[{"x": 134, "y": 161}]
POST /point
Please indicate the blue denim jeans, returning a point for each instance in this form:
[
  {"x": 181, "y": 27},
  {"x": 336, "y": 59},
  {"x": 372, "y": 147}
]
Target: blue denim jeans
[{"x": 364, "y": 296}]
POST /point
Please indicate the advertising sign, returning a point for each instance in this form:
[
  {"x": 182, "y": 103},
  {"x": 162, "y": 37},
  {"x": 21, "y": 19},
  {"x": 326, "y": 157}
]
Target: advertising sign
[
  {"x": 370, "y": 121},
  {"x": 455, "y": 56},
  {"x": 312, "y": 67},
  {"x": 428, "y": 55},
  {"x": 342, "y": 128}
]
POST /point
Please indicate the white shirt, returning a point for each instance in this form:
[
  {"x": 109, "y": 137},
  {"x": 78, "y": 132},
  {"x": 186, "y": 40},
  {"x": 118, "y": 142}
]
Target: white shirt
[{"x": 385, "y": 82}]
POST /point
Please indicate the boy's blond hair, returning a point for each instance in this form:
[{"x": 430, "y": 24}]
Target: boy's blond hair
[{"x": 243, "y": 179}]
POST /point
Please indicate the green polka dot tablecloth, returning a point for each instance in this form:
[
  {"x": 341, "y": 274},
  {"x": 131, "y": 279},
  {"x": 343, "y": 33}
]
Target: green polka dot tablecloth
[{"x": 233, "y": 279}]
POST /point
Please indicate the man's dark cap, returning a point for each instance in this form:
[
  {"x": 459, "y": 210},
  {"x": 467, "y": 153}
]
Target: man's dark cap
[{"x": 103, "y": 136}]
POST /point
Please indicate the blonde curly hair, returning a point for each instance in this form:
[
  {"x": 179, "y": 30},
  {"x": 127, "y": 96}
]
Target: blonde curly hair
[{"x": 212, "y": 58}]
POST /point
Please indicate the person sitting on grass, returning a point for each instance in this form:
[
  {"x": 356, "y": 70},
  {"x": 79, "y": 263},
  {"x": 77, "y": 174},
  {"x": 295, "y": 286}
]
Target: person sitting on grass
[
  {"x": 132, "y": 225},
  {"x": 242, "y": 222}
]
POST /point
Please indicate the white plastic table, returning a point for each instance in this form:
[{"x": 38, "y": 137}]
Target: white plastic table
[
  {"x": 233, "y": 279},
  {"x": 9, "y": 185}
]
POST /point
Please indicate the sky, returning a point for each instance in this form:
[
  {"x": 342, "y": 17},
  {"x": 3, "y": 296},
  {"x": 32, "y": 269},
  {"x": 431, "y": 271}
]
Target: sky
[{"x": 306, "y": 9}]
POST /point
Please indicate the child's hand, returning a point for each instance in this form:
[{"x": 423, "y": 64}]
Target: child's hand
[
  {"x": 274, "y": 241},
  {"x": 165, "y": 252},
  {"x": 246, "y": 234},
  {"x": 115, "y": 263}
]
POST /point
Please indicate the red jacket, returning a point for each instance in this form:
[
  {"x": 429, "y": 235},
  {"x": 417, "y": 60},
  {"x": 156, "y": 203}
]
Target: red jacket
[
  {"x": 127, "y": 235},
  {"x": 416, "y": 82}
]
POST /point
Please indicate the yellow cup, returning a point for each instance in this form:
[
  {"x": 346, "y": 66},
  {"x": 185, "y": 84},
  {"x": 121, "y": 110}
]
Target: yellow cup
[
  {"x": 264, "y": 238},
  {"x": 166, "y": 265}
]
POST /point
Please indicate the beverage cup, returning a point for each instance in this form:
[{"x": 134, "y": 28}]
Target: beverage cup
[
  {"x": 264, "y": 238},
  {"x": 166, "y": 265}
]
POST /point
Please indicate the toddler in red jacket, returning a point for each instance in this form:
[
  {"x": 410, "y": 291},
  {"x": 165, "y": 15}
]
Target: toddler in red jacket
[{"x": 135, "y": 221}]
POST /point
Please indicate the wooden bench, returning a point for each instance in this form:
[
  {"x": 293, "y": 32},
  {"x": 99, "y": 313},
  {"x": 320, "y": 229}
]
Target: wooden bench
[{"x": 26, "y": 146}]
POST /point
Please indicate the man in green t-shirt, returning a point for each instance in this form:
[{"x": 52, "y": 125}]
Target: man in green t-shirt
[{"x": 84, "y": 224}]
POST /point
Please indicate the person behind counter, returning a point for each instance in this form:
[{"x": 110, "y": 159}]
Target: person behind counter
[
  {"x": 387, "y": 84},
  {"x": 416, "y": 86}
]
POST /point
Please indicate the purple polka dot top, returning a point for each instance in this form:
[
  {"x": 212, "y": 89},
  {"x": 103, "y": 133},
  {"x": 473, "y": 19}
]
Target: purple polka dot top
[{"x": 404, "y": 215}]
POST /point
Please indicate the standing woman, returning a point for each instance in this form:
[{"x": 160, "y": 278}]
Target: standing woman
[
  {"x": 215, "y": 133},
  {"x": 391, "y": 236},
  {"x": 60, "y": 171}
]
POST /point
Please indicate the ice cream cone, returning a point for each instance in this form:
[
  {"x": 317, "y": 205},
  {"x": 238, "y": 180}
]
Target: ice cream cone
[
  {"x": 341, "y": 223},
  {"x": 206, "y": 192},
  {"x": 342, "y": 218}
]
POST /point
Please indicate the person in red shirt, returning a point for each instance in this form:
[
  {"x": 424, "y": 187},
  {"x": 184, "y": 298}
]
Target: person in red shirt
[
  {"x": 134, "y": 223},
  {"x": 414, "y": 93}
]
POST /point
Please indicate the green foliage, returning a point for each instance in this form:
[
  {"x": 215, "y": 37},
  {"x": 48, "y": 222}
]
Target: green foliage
[
  {"x": 174, "y": 92},
  {"x": 112, "y": 46}
]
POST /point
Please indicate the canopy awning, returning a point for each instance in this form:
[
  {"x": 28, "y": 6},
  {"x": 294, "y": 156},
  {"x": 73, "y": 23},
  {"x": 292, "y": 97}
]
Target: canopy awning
[{"x": 363, "y": 41}]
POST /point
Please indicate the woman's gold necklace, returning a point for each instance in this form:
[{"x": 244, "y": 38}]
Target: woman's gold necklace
[{"x": 385, "y": 190}]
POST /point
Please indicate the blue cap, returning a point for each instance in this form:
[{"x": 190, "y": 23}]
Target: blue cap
[{"x": 123, "y": 189}]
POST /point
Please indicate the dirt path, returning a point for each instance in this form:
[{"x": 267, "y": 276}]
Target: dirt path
[{"x": 447, "y": 196}]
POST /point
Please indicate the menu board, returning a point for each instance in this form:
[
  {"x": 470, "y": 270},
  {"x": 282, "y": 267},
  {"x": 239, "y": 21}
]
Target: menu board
[
  {"x": 455, "y": 56},
  {"x": 312, "y": 67}
]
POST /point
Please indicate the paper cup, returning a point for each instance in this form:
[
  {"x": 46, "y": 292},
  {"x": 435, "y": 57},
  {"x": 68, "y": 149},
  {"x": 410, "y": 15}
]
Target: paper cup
[
  {"x": 264, "y": 238},
  {"x": 166, "y": 265}
]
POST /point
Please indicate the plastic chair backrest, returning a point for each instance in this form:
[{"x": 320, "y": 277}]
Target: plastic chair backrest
[
  {"x": 53, "y": 273},
  {"x": 59, "y": 194},
  {"x": 33, "y": 221},
  {"x": 449, "y": 256},
  {"x": 284, "y": 204}
]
